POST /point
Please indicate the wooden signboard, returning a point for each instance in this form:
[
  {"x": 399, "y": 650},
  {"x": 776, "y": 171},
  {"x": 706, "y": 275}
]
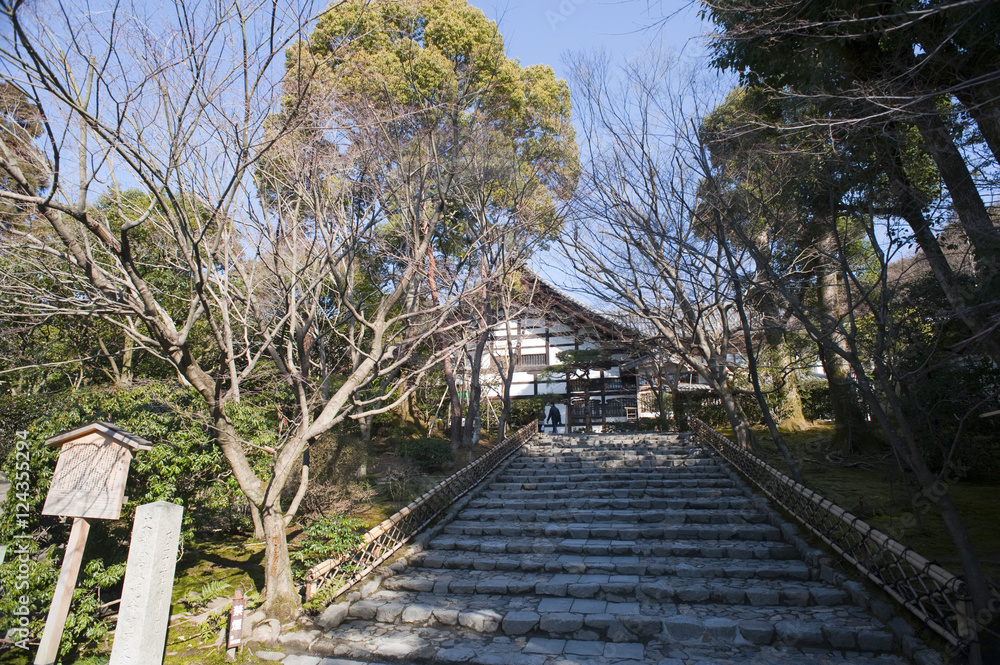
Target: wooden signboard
[
  {"x": 236, "y": 625},
  {"x": 90, "y": 475},
  {"x": 88, "y": 483},
  {"x": 236, "y": 620}
]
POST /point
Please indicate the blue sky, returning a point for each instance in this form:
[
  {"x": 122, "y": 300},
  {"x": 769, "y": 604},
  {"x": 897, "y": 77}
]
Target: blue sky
[{"x": 541, "y": 31}]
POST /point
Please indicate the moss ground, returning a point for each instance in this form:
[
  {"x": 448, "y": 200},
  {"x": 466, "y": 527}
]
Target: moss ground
[
  {"x": 872, "y": 487},
  {"x": 237, "y": 562}
]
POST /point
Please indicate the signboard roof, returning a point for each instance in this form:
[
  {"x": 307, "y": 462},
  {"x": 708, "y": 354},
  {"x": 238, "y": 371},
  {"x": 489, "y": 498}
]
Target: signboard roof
[{"x": 107, "y": 429}]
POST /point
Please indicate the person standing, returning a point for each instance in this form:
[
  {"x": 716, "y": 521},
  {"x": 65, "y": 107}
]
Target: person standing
[{"x": 554, "y": 417}]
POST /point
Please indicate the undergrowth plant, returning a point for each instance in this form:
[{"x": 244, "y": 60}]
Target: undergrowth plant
[{"x": 327, "y": 538}]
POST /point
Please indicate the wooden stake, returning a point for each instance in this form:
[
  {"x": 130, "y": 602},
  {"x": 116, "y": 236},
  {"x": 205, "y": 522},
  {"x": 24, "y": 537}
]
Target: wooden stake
[{"x": 48, "y": 650}]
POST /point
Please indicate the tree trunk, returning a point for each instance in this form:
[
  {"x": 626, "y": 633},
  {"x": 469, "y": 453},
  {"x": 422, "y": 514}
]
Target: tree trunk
[
  {"x": 972, "y": 214},
  {"x": 477, "y": 429},
  {"x": 365, "y": 428},
  {"x": 449, "y": 370},
  {"x": 784, "y": 381},
  {"x": 456, "y": 405},
  {"x": 504, "y": 417},
  {"x": 475, "y": 391},
  {"x": 911, "y": 210},
  {"x": 506, "y": 372},
  {"x": 258, "y": 523},
  {"x": 282, "y": 598},
  {"x": 128, "y": 355},
  {"x": 765, "y": 410},
  {"x": 507, "y": 378},
  {"x": 851, "y": 428},
  {"x": 982, "y": 106},
  {"x": 737, "y": 419},
  {"x": 283, "y": 602},
  {"x": 680, "y": 416},
  {"x": 661, "y": 400}
]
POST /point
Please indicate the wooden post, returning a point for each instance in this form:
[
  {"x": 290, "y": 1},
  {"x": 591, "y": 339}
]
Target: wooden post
[
  {"x": 604, "y": 400},
  {"x": 48, "y": 650}
]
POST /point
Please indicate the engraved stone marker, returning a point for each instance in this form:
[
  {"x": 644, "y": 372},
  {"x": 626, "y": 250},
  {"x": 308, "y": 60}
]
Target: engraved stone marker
[
  {"x": 149, "y": 579},
  {"x": 236, "y": 620}
]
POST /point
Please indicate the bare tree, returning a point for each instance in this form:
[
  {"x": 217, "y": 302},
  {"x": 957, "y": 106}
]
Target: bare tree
[
  {"x": 634, "y": 238},
  {"x": 247, "y": 249},
  {"x": 521, "y": 302},
  {"x": 867, "y": 324},
  {"x": 514, "y": 176}
]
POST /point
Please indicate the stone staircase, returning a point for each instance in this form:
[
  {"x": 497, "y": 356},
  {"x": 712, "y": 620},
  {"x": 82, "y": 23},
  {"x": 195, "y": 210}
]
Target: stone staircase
[{"x": 605, "y": 549}]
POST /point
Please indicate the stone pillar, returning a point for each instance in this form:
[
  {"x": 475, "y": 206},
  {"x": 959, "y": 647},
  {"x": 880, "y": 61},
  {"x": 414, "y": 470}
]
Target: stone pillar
[{"x": 149, "y": 580}]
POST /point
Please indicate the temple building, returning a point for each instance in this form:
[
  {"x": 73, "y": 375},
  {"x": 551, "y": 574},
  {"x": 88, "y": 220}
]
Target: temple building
[{"x": 610, "y": 376}]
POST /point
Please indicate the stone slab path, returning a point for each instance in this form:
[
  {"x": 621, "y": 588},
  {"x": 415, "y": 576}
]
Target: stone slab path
[{"x": 608, "y": 549}]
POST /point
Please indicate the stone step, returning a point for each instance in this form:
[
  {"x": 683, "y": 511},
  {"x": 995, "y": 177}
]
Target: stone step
[
  {"x": 619, "y": 489},
  {"x": 363, "y": 642},
  {"x": 610, "y": 436},
  {"x": 651, "y": 493},
  {"x": 359, "y": 642},
  {"x": 578, "y": 455},
  {"x": 611, "y": 516},
  {"x": 670, "y": 447},
  {"x": 577, "y": 461},
  {"x": 646, "y": 589},
  {"x": 608, "y": 550},
  {"x": 621, "y": 474},
  {"x": 621, "y": 466},
  {"x": 607, "y": 481},
  {"x": 617, "y": 468},
  {"x": 575, "y": 455},
  {"x": 845, "y": 627},
  {"x": 588, "y": 504},
  {"x": 763, "y": 566},
  {"x": 609, "y": 440},
  {"x": 603, "y": 533},
  {"x": 679, "y": 547},
  {"x": 599, "y": 453}
]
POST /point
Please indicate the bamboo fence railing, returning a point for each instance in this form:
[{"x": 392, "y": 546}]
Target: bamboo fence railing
[
  {"x": 384, "y": 540},
  {"x": 938, "y": 598}
]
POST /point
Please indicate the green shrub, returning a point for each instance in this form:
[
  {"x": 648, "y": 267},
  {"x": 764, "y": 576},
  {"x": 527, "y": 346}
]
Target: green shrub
[
  {"x": 328, "y": 538},
  {"x": 638, "y": 425},
  {"x": 184, "y": 466},
  {"x": 16, "y": 413},
  {"x": 428, "y": 454},
  {"x": 525, "y": 409},
  {"x": 815, "y": 396}
]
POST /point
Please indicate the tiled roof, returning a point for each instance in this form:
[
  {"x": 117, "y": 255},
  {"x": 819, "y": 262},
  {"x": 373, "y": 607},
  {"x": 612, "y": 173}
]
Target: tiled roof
[{"x": 620, "y": 322}]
